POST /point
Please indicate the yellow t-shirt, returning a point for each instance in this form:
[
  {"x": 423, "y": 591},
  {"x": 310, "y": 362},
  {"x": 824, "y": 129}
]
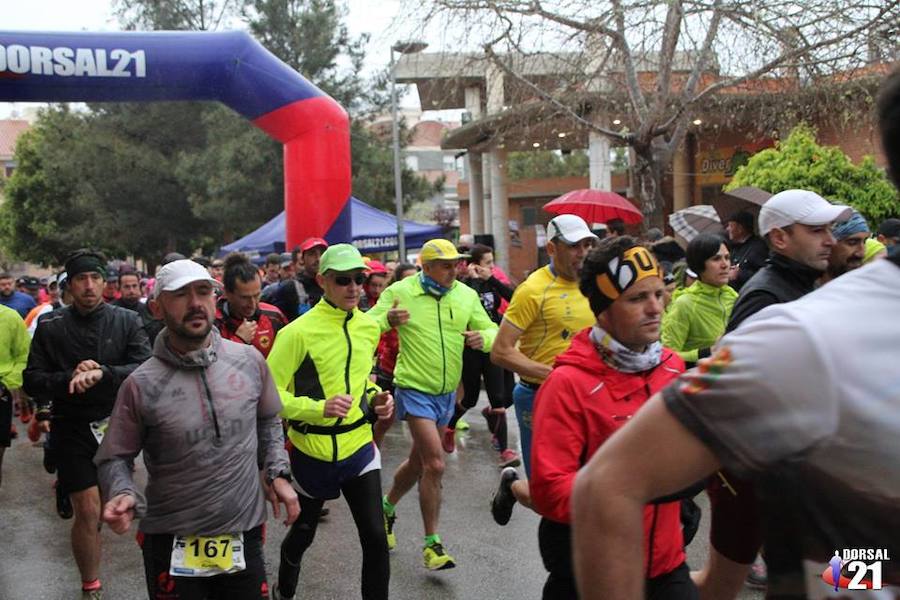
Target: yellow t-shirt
[{"x": 549, "y": 310}]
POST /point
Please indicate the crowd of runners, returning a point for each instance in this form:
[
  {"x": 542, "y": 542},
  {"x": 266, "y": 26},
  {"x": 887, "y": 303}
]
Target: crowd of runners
[{"x": 241, "y": 385}]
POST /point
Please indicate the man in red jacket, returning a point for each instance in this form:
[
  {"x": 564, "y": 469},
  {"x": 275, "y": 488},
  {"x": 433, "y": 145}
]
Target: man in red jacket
[
  {"x": 607, "y": 374},
  {"x": 240, "y": 316}
]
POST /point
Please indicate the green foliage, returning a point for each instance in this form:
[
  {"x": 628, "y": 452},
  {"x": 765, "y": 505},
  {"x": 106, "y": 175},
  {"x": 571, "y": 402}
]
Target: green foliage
[
  {"x": 798, "y": 162},
  {"x": 540, "y": 164}
]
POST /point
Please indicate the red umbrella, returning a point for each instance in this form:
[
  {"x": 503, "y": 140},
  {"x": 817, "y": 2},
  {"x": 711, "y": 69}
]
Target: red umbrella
[{"x": 595, "y": 206}]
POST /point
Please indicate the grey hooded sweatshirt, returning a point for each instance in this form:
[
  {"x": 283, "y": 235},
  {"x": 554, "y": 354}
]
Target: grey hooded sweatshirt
[{"x": 207, "y": 423}]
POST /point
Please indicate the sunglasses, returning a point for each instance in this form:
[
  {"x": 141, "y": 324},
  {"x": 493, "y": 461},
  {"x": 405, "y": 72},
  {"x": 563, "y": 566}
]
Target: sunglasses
[{"x": 344, "y": 280}]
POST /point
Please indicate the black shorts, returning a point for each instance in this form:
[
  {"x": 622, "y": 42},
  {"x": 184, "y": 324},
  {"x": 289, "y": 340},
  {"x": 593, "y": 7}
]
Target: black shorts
[
  {"x": 75, "y": 447},
  {"x": 6, "y": 415},
  {"x": 249, "y": 584}
]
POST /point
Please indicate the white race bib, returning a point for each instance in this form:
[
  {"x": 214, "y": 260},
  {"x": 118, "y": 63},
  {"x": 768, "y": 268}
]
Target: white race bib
[{"x": 197, "y": 556}]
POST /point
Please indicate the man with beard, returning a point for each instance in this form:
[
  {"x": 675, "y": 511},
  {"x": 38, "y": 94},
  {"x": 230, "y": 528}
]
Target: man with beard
[
  {"x": 204, "y": 411},
  {"x": 16, "y": 300},
  {"x": 79, "y": 357},
  {"x": 130, "y": 290},
  {"x": 849, "y": 249}
]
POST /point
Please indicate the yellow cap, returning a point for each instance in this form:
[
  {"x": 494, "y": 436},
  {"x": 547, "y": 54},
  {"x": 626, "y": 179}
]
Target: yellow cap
[{"x": 440, "y": 249}]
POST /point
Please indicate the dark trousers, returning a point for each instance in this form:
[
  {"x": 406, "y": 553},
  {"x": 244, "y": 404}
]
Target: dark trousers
[
  {"x": 249, "y": 584},
  {"x": 498, "y": 382},
  {"x": 555, "y": 542},
  {"x": 363, "y": 495}
]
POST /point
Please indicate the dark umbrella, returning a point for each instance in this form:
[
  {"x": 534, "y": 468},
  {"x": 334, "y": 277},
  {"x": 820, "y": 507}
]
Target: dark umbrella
[
  {"x": 595, "y": 206},
  {"x": 690, "y": 222},
  {"x": 747, "y": 198}
]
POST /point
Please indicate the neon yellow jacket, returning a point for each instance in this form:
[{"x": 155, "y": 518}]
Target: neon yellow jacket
[
  {"x": 326, "y": 352},
  {"x": 431, "y": 343},
  {"x": 14, "y": 345},
  {"x": 696, "y": 319}
]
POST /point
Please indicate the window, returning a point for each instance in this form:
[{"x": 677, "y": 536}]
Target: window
[{"x": 412, "y": 163}]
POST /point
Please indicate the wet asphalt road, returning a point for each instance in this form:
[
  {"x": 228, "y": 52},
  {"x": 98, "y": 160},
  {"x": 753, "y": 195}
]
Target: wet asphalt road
[{"x": 493, "y": 562}]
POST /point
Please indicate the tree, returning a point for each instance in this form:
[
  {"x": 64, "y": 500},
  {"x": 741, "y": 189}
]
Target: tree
[
  {"x": 546, "y": 163},
  {"x": 43, "y": 216},
  {"x": 798, "y": 162},
  {"x": 650, "y": 66}
]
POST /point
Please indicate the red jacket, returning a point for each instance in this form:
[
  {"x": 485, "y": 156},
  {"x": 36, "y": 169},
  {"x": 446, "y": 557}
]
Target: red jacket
[
  {"x": 581, "y": 404},
  {"x": 268, "y": 321}
]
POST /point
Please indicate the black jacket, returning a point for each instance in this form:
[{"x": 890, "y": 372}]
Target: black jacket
[
  {"x": 112, "y": 336},
  {"x": 151, "y": 325},
  {"x": 750, "y": 255},
  {"x": 781, "y": 280},
  {"x": 491, "y": 291},
  {"x": 293, "y": 297}
]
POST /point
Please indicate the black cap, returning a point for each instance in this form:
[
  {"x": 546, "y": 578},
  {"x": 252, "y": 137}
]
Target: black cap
[
  {"x": 32, "y": 283},
  {"x": 172, "y": 257},
  {"x": 744, "y": 219},
  {"x": 890, "y": 228}
]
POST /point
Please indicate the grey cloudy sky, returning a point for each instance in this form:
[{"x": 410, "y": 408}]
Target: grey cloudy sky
[{"x": 376, "y": 17}]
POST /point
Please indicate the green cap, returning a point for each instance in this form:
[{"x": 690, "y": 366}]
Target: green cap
[{"x": 341, "y": 257}]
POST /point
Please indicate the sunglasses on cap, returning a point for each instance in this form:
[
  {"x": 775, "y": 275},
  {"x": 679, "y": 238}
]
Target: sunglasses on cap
[{"x": 344, "y": 280}]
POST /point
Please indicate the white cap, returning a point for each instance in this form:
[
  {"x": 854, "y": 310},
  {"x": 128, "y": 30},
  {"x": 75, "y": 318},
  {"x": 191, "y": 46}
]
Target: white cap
[
  {"x": 569, "y": 228},
  {"x": 799, "y": 206},
  {"x": 178, "y": 273}
]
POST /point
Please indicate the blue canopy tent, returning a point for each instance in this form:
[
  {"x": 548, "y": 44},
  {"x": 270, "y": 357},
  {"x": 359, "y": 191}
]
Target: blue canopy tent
[{"x": 372, "y": 230}]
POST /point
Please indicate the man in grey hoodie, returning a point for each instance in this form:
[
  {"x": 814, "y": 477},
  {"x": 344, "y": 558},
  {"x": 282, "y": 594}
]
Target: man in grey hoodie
[{"x": 204, "y": 411}]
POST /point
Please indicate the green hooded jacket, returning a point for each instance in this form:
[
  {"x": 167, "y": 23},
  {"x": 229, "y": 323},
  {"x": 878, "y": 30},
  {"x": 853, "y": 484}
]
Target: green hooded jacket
[
  {"x": 431, "y": 343},
  {"x": 14, "y": 349},
  {"x": 696, "y": 319}
]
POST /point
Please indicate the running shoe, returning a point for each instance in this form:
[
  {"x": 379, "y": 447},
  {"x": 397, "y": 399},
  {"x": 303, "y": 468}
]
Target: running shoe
[
  {"x": 462, "y": 425},
  {"x": 276, "y": 594},
  {"x": 758, "y": 578},
  {"x": 34, "y": 433},
  {"x": 389, "y": 530},
  {"x": 435, "y": 559},
  {"x": 26, "y": 411},
  {"x": 495, "y": 443},
  {"x": 503, "y": 501},
  {"x": 448, "y": 441},
  {"x": 509, "y": 458},
  {"x": 92, "y": 594}
]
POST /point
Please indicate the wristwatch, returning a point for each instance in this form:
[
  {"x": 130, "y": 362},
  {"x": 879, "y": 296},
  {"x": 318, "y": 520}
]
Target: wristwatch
[{"x": 271, "y": 477}]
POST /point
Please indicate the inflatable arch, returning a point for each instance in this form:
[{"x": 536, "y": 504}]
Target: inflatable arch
[{"x": 230, "y": 67}]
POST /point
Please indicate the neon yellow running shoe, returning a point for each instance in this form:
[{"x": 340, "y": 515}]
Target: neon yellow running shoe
[
  {"x": 462, "y": 425},
  {"x": 435, "y": 559},
  {"x": 389, "y": 530}
]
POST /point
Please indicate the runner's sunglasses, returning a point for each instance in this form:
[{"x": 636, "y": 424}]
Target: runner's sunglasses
[{"x": 344, "y": 280}]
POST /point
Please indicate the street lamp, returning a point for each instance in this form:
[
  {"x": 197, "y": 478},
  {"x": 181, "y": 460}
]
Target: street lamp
[{"x": 401, "y": 48}]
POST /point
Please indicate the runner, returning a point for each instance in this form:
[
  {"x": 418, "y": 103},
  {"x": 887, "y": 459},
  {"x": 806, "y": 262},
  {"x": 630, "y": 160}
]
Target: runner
[
  {"x": 849, "y": 250},
  {"x": 240, "y": 316},
  {"x": 597, "y": 385},
  {"x": 697, "y": 318},
  {"x": 748, "y": 251},
  {"x": 130, "y": 298},
  {"x": 797, "y": 226},
  {"x": 321, "y": 364},
  {"x": 296, "y": 295},
  {"x": 436, "y": 316},
  {"x": 14, "y": 343},
  {"x": 477, "y": 366},
  {"x": 546, "y": 311},
  {"x": 14, "y": 299},
  {"x": 79, "y": 357},
  {"x": 204, "y": 412}
]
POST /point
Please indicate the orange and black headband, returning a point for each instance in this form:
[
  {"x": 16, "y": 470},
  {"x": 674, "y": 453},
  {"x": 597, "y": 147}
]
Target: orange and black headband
[{"x": 624, "y": 271}]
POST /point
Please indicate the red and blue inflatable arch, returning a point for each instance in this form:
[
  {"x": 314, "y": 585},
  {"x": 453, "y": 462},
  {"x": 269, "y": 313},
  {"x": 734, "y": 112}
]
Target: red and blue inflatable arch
[{"x": 230, "y": 67}]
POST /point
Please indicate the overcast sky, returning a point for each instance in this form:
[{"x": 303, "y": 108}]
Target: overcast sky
[{"x": 376, "y": 17}]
